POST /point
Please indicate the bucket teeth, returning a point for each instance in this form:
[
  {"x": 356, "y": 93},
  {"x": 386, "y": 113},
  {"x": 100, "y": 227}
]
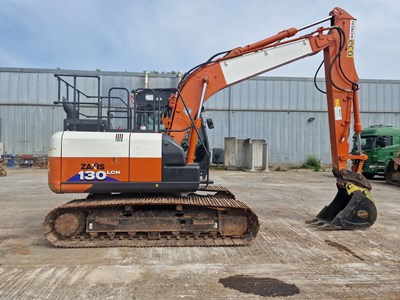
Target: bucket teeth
[{"x": 322, "y": 225}]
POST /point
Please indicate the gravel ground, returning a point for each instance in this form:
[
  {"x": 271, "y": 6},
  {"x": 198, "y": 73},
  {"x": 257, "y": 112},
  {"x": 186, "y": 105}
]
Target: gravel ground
[{"x": 288, "y": 260}]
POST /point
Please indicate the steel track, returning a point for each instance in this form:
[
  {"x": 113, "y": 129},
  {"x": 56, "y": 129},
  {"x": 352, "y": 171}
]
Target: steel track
[{"x": 214, "y": 197}]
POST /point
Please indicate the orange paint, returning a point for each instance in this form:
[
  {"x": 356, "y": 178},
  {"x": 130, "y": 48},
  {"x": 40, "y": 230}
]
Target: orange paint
[
  {"x": 64, "y": 173},
  {"x": 191, "y": 93},
  {"x": 71, "y": 166},
  {"x": 75, "y": 188},
  {"x": 54, "y": 174},
  {"x": 145, "y": 170}
]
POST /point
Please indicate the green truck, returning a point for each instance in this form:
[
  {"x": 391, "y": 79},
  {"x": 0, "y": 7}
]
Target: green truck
[{"x": 381, "y": 143}]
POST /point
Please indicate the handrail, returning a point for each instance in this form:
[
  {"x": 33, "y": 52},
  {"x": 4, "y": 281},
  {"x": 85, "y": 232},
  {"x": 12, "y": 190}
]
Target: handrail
[
  {"x": 77, "y": 102},
  {"x": 127, "y": 104}
]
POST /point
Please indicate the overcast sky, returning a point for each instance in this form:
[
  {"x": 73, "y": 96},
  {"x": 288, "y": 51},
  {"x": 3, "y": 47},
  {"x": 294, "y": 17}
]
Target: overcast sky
[{"x": 172, "y": 35}]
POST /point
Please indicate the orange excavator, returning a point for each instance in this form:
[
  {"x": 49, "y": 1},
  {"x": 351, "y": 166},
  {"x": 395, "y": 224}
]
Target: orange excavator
[{"x": 148, "y": 183}]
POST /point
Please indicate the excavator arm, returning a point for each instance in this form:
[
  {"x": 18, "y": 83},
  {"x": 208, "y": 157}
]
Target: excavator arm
[{"x": 337, "y": 43}]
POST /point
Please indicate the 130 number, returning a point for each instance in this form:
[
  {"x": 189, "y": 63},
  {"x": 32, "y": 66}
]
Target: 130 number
[{"x": 91, "y": 175}]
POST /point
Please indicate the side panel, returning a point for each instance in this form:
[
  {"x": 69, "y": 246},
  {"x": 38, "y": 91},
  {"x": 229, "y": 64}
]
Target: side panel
[
  {"x": 94, "y": 158},
  {"x": 54, "y": 167},
  {"x": 104, "y": 161},
  {"x": 95, "y": 144},
  {"x": 89, "y": 159},
  {"x": 146, "y": 157}
]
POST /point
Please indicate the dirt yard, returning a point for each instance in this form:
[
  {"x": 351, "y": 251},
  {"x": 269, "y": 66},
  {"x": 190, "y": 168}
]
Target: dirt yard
[{"x": 289, "y": 259}]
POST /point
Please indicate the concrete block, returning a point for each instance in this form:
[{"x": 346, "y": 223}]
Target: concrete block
[{"x": 249, "y": 154}]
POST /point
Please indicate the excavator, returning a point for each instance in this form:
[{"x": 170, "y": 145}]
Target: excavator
[{"x": 149, "y": 185}]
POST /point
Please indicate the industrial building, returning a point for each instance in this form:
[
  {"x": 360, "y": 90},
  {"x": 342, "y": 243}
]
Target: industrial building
[{"x": 290, "y": 114}]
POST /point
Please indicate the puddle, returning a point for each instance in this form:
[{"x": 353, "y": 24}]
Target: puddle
[
  {"x": 343, "y": 248},
  {"x": 261, "y": 286}
]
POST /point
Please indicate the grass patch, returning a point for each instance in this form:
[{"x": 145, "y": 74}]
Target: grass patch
[
  {"x": 280, "y": 169},
  {"x": 312, "y": 163},
  {"x": 217, "y": 167}
]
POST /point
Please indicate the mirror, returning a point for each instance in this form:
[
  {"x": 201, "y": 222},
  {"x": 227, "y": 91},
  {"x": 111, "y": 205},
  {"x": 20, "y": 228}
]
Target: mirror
[{"x": 210, "y": 123}]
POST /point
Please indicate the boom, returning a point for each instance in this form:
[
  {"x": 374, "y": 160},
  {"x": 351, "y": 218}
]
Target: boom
[{"x": 337, "y": 42}]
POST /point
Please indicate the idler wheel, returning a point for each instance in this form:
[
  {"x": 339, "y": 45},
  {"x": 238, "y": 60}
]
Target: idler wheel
[{"x": 68, "y": 224}]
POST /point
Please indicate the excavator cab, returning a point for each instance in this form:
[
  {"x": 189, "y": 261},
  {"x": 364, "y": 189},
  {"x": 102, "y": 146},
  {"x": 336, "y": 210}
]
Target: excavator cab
[{"x": 150, "y": 107}]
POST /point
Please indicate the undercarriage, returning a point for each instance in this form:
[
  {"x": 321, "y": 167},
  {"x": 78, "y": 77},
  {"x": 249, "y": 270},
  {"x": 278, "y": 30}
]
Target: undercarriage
[{"x": 210, "y": 217}]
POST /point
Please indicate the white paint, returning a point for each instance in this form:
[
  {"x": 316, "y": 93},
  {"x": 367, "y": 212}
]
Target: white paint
[
  {"x": 91, "y": 144},
  {"x": 55, "y": 144},
  {"x": 105, "y": 144},
  {"x": 242, "y": 67},
  {"x": 146, "y": 145}
]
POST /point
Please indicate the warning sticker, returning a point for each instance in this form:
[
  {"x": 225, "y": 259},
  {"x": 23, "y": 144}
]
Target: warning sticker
[
  {"x": 338, "y": 113},
  {"x": 338, "y": 110}
]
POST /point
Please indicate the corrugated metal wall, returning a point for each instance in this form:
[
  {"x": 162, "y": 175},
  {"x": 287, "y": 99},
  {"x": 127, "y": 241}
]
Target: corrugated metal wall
[
  {"x": 278, "y": 110},
  {"x": 274, "y": 109},
  {"x": 28, "y": 116}
]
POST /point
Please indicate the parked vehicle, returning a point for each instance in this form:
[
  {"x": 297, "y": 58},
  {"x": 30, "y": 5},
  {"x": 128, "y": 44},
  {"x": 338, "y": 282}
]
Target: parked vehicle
[{"x": 381, "y": 143}]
